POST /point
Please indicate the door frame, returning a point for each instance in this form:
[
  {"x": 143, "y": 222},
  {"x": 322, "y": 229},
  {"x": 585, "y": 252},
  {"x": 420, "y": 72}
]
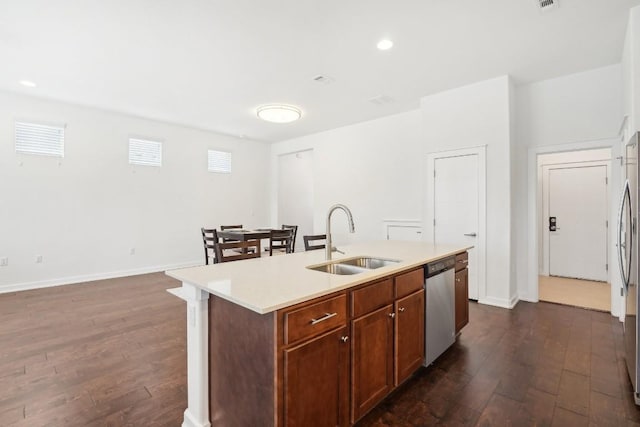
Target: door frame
[
  {"x": 428, "y": 229},
  {"x": 276, "y": 193},
  {"x": 615, "y": 144}
]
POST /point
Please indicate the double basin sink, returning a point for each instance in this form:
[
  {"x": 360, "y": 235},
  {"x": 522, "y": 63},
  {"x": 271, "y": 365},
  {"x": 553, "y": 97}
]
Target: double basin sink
[{"x": 353, "y": 265}]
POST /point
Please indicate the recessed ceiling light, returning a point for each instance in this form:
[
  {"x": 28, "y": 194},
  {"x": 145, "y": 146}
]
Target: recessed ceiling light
[
  {"x": 385, "y": 44},
  {"x": 27, "y": 83},
  {"x": 279, "y": 113}
]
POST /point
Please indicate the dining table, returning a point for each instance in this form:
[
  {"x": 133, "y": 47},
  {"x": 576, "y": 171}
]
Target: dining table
[{"x": 244, "y": 235}]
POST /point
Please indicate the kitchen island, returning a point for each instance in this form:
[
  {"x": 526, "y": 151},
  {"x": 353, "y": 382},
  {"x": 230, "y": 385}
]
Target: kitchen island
[{"x": 272, "y": 342}]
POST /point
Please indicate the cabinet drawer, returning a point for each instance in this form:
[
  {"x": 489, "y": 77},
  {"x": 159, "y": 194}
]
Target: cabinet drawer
[
  {"x": 315, "y": 318},
  {"x": 462, "y": 260},
  {"x": 410, "y": 282},
  {"x": 372, "y": 297}
]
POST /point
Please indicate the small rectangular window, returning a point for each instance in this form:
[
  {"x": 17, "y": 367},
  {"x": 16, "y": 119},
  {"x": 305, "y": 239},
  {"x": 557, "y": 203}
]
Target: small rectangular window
[
  {"x": 145, "y": 152},
  {"x": 219, "y": 161},
  {"x": 44, "y": 140}
]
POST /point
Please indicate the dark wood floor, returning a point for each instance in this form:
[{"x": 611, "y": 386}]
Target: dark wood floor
[
  {"x": 112, "y": 353},
  {"x": 536, "y": 365},
  {"x": 109, "y": 353}
]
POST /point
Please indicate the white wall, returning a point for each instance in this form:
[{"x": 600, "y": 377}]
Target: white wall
[
  {"x": 84, "y": 213},
  {"x": 373, "y": 167},
  {"x": 377, "y": 167},
  {"x": 631, "y": 72},
  {"x": 474, "y": 115},
  {"x": 579, "y": 111}
]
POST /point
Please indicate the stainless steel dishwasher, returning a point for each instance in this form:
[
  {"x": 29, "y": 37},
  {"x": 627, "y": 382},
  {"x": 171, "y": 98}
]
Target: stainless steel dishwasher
[{"x": 440, "y": 307}]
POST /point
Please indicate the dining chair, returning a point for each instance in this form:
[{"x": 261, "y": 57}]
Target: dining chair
[
  {"x": 281, "y": 239},
  {"x": 239, "y": 250},
  {"x": 308, "y": 241},
  {"x": 210, "y": 240},
  {"x": 295, "y": 233}
]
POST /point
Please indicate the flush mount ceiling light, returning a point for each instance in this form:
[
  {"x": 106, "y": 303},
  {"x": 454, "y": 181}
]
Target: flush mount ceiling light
[
  {"x": 279, "y": 113},
  {"x": 27, "y": 83},
  {"x": 385, "y": 44}
]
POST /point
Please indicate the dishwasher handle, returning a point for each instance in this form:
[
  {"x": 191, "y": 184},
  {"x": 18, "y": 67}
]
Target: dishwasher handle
[{"x": 436, "y": 267}]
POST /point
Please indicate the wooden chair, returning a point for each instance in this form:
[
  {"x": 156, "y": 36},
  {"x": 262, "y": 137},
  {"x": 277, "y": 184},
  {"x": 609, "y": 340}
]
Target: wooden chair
[
  {"x": 295, "y": 233},
  {"x": 210, "y": 240},
  {"x": 281, "y": 239},
  {"x": 240, "y": 250},
  {"x": 308, "y": 240}
]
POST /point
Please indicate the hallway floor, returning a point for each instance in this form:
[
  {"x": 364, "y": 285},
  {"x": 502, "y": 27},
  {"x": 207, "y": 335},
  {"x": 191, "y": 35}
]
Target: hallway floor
[{"x": 575, "y": 292}]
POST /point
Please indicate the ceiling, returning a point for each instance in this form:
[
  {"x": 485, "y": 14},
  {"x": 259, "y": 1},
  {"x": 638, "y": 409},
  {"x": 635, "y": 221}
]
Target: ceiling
[{"x": 210, "y": 63}]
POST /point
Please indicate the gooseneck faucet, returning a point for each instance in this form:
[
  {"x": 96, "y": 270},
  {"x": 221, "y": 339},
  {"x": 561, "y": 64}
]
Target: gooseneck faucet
[{"x": 329, "y": 246}]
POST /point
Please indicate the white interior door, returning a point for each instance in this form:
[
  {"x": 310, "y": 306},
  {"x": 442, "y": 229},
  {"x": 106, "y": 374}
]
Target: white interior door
[
  {"x": 295, "y": 193},
  {"x": 456, "y": 208},
  {"x": 578, "y": 202}
]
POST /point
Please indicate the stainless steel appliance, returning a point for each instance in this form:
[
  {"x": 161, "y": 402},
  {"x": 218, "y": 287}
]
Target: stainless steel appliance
[
  {"x": 440, "y": 306},
  {"x": 628, "y": 259}
]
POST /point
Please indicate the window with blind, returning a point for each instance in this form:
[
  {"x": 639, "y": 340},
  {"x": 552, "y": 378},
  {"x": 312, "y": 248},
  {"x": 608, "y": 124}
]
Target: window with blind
[
  {"x": 145, "y": 152},
  {"x": 39, "y": 139},
  {"x": 219, "y": 161}
]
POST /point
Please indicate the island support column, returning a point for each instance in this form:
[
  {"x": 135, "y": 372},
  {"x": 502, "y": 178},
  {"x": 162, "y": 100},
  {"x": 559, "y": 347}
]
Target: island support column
[{"x": 197, "y": 412}]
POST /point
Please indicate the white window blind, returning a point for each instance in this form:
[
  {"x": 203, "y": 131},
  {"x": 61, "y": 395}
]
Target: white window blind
[
  {"x": 145, "y": 152},
  {"x": 34, "y": 138},
  {"x": 219, "y": 161}
]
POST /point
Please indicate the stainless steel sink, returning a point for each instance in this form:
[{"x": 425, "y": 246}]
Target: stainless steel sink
[
  {"x": 337, "y": 268},
  {"x": 353, "y": 265},
  {"x": 370, "y": 263}
]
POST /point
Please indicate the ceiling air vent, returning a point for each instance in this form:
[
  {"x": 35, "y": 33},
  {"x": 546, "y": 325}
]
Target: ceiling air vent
[
  {"x": 381, "y": 100},
  {"x": 547, "y": 4},
  {"x": 325, "y": 80}
]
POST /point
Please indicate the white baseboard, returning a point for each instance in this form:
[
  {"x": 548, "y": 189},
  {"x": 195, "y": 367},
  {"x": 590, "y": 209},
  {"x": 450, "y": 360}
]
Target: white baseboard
[
  {"x": 500, "y": 302},
  {"x": 92, "y": 277},
  {"x": 528, "y": 298}
]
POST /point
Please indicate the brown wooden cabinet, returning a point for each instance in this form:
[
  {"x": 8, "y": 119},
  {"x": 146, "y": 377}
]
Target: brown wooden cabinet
[
  {"x": 371, "y": 360},
  {"x": 409, "y": 338},
  {"x": 323, "y": 362},
  {"x": 388, "y": 338},
  {"x": 461, "y": 291},
  {"x": 316, "y": 381}
]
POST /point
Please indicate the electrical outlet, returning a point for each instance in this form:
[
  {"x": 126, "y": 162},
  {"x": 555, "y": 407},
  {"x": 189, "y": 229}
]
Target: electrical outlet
[
  {"x": 38, "y": 259},
  {"x": 132, "y": 251},
  {"x": 4, "y": 262}
]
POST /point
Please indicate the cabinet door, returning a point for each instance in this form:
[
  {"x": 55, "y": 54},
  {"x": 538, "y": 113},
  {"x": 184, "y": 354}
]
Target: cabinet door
[
  {"x": 462, "y": 299},
  {"x": 409, "y": 349},
  {"x": 372, "y": 360},
  {"x": 316, "y": 381}
]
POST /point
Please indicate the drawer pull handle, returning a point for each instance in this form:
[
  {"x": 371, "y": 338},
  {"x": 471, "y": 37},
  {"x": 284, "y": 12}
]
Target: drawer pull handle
[
  {"x": 464, "y": 261},
  {"x": 392, "y": 315},
  {"x": 326, "y": 316},
  {"x": 401, "y": 309},
  {"x": 344, "y": 339}
]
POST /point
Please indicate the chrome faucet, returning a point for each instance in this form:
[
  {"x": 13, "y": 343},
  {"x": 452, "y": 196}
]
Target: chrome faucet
[{"x": 329, "y": 246}]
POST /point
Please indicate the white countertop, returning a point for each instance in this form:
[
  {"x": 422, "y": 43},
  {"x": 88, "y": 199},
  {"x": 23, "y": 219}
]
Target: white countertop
[{"x": 269, "y": 283}]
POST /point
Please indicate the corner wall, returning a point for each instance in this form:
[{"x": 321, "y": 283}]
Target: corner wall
[
  {"x": 471, "y": 116},
  {"x": 85, "y": 212}
]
